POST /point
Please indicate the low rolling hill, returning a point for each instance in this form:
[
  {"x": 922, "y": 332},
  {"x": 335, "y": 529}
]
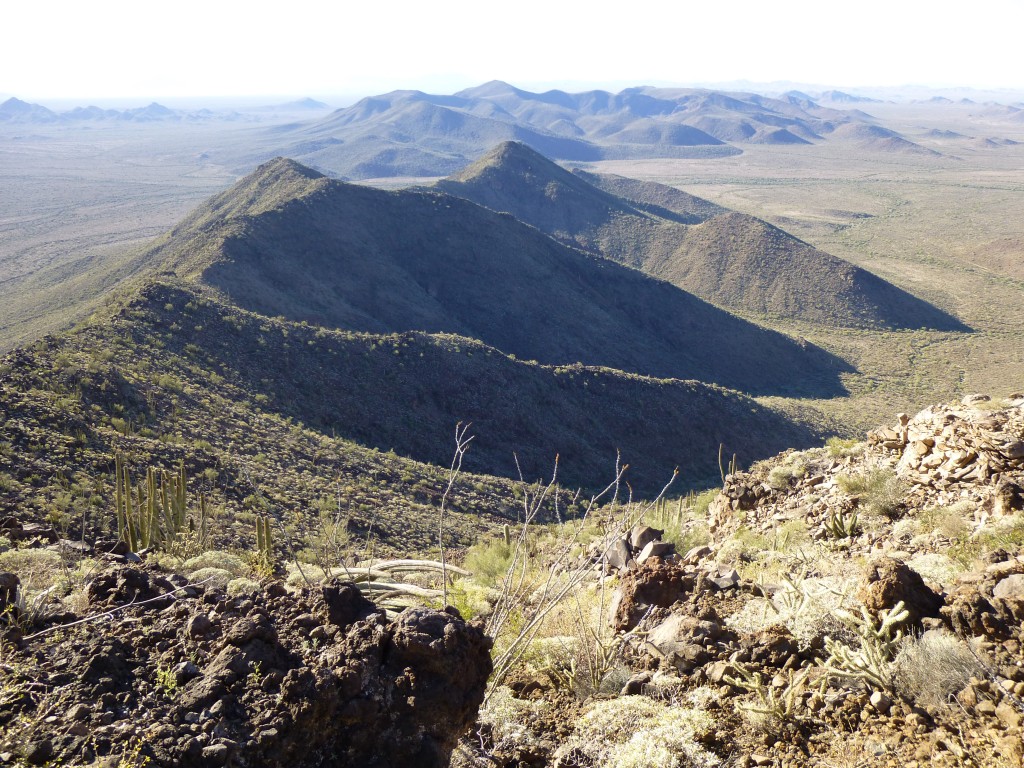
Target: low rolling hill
[{"x": 276, "y": 417}]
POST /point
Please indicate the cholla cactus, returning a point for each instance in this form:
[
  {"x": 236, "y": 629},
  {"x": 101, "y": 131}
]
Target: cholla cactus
[
  {"x": 775, "y": 704},
  {"x": 872, "y": 662}
]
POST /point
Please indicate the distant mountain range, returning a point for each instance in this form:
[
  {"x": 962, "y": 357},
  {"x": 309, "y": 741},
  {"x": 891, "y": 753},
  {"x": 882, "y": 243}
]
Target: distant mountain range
[
  {"x": 411, "y": 133},
  {"x": 14, "y": 111}
]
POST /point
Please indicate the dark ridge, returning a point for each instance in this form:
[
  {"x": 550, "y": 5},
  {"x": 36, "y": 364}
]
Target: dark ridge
[
  {"x": 406, "y": 391},
  {"x": 730, "y": 259},
  {"x": 351, "y": 257}
]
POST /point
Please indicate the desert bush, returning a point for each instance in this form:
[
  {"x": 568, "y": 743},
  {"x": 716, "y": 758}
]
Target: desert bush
[
  {"x": 216, "y": 558},
  {"x": 937, "y": 567},
  {"x": 879, "y": 493},
  {"x": 242, "y": 586},
  {"x": 949, "y": 521},
  {"x": 39, "y": 567},
  {"x": 489, "y": 560},
  {"x": 934, "y": 666},
  {"x": 635, "y": 731},
  {"x": 212, "y": 578},
  {"x": 840, "y": 448},
  {"x": 806, "y": 607},
  {"x": 508, "y": 718},
  {"x": 578, "y": 649},
  {"x": 793, "y": 468},
  {"x": 743, "y": 545}
]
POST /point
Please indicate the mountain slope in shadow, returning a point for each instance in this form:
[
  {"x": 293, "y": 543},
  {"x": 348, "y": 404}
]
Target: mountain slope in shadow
[
  {"x": 731, "y": 259},
  {"x": 286, "y": 241}
]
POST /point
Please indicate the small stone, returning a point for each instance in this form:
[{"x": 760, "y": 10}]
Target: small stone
[
  {"x": 985, "y": 707},
  {"x": 38, "y": 752},
  {"x": 1010, "y": 588},
  {"x": 216, "y": 754},
  {"x": 880, "y": 702},
  {"x": 198, "y": 625},
  {"x": 635, "y": 685},
  {"x": 968, "y": 697},
  {"x": 656, "y": 549},
  {"x": 1008, "y": 715},
  {"x": 695, "y": 555},
  {"x": 78, "y": 712},
  {"x": 185, "y": 671},
  {"x": 619, "y": 556},
  {"x": 642, "y": 535}
]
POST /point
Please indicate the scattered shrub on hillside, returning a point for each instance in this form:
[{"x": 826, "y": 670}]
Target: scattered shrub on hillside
[
  {"x": 635, "y": 731},
  {"x": 212, "y": 578},
  {"x": 1006, "y": 533},
  {"x": 489, "y": 560},
  {"x": 242, "y": 586},
  {"x": 879, "y": 493},
  {"x": 793, "y": 468},
  {"x": 936, "y": 567},
  {"x": 935, "y": 666},
  {"x": 949, "y": 521},
  {"x": 216, "y": 558},
  {"x": 806, "y": 607},
  {"x": 39, "y": 567},
  {"x": 508, "y": 718},
  {"x": 840, "y": 448}
]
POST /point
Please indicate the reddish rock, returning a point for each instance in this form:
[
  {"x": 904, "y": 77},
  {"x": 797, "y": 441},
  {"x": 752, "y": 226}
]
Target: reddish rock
[
  {"x": 655, "y": 583},
  {"x": 889, "y": 582}
]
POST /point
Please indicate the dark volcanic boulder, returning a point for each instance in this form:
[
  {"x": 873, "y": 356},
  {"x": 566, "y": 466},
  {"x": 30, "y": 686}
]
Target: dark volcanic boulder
[
  {"x": 889, "y": 582},
  {"x": 654, "y": 583},
  {"x": 306, "y": 679}
]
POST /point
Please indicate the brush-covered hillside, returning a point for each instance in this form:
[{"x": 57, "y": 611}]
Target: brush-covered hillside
[
  {"x": 734, "y": 260},
  {"x": 282, "y": 418},
  {"x": 288, "y": 242}
]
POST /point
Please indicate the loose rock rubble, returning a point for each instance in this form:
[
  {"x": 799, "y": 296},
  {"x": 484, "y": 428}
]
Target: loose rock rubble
[
  {"x": 178, "y": 675},
  {"x": 758, "y": 652}
]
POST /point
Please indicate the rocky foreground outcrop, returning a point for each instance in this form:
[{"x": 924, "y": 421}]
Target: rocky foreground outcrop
[{"x": 178, "y": 675}]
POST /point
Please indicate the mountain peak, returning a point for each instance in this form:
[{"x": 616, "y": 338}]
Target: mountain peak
[{"x": 271, "y": 186}]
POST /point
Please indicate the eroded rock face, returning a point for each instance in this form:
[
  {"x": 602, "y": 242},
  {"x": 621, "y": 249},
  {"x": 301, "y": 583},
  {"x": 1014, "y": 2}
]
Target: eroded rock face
[
  {"x": 655, "y": 583},
  {"x": 889, "y": 582},
  {"x": 319, "y": 678}
]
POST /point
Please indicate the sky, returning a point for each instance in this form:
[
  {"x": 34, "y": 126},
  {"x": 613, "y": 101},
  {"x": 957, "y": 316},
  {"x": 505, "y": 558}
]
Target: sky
[{"x": 109, "y": 49}]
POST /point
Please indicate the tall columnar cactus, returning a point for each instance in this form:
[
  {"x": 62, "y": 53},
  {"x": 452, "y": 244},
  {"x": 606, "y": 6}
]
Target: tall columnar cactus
[
  {"x": 264, "y": 543},
  {"x": 155, "y": 515}
]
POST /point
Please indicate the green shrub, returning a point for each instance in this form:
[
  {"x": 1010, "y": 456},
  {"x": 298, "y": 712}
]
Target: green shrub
[
  {"x": 840, "y": 448},
  {"x": 489, "y": 561},
  {"x": 242, "y": 586},
  {"x": 215, "y": 558},
  {"x": 38, "y": 567},
  {"x": 212, "y": 578},
  {"x": 635, "y": 732},
  {"x": 880, "y": 492},
  {"x": 931, "y": 668}
]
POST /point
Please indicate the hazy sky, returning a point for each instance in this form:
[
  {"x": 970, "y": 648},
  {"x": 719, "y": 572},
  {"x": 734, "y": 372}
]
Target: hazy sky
[{"x": 72, "y": 49}]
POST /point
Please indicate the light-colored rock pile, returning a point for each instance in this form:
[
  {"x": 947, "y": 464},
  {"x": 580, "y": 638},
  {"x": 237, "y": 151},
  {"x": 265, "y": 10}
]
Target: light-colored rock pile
[
  {"x": 971, "y": 452},
  {"x": 943, "y": 446}
]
